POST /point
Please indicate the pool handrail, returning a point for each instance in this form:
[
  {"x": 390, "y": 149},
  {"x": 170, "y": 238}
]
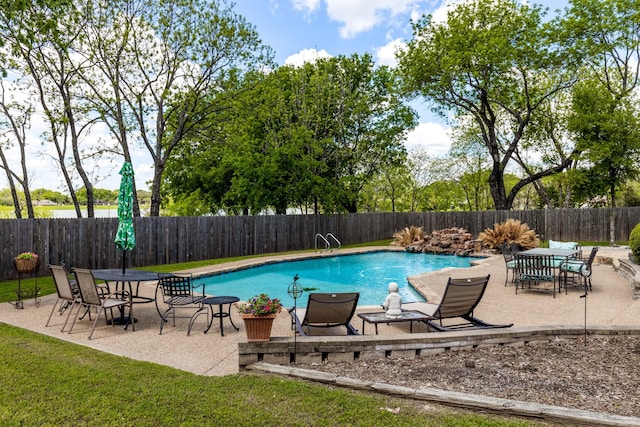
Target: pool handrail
[
  {"x": 327, "y": 245},
  {"x": 330, "y": 235}
]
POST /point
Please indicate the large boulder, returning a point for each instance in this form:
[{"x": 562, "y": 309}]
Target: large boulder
[{"x": 452, "y": 241}]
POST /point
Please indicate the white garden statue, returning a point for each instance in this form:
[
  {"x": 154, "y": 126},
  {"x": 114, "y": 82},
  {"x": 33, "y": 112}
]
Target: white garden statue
[{"x": 393, "y": 302}]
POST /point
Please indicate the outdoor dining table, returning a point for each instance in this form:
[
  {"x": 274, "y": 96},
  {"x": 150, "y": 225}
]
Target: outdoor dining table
[
  {"x": 558, "y": 253},
  {"x": 540, "y": 264},
  {"x": 127, "y": 279}
]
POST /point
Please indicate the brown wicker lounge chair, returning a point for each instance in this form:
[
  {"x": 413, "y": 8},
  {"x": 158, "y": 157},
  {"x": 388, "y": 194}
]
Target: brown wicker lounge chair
[
  {"x": 326, "y": 310},
  {"x": 461, "y": 296}
]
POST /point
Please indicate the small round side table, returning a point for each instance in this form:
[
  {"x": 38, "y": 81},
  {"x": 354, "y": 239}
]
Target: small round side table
[{"x": 220, "y": 301}]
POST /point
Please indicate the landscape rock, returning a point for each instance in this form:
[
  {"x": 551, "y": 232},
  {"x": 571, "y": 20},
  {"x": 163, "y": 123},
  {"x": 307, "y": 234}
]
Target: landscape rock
[{"x": 448, "y": 241}]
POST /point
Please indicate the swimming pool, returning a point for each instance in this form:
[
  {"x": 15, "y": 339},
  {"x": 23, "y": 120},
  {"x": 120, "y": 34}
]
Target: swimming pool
[{"x": 367, "y": 273}]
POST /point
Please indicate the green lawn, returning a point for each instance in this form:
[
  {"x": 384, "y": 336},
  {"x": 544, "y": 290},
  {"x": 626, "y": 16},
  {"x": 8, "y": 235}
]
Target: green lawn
[{"x": 46, "y": 381}]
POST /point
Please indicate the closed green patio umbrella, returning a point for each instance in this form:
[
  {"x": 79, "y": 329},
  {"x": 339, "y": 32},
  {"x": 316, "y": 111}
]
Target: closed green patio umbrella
[{"x": 125, "y": 236}]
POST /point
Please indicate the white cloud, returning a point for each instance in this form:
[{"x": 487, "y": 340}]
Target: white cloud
[
  {"x": 306, "y": 6},
  {"x": 361, "y": 15},
  {"x": 387, "y": 54},
  {"x": 440, "y": 14},
  {"x": 431, "y": 136},
  {"x": 306, "y": 55}
]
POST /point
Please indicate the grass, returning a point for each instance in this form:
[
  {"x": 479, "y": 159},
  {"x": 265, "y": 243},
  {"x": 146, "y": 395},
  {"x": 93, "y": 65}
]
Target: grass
[{"x": 46, "y": 381}]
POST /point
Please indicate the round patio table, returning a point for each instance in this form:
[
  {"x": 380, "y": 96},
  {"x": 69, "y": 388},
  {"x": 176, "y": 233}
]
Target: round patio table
[
  {"x": 115, "y": 275},
  {"x": 219, "y": 301}
]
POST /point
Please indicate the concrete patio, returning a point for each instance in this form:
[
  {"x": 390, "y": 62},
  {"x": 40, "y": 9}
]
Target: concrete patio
[{"x": 610, "y": 304}]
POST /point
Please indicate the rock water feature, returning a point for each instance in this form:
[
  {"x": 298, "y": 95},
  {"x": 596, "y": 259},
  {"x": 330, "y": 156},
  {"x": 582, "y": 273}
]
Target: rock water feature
[{"x": 448, "y": 241}]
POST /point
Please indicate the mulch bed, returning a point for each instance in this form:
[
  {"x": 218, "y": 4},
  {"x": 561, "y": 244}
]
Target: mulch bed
[{"x": 601, "y": 376}]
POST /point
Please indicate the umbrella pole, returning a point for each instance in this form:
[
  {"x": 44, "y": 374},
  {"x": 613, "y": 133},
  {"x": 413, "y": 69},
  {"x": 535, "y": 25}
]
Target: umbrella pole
[{"x": 124, "y": 260}]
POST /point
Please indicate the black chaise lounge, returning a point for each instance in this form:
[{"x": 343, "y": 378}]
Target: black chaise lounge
[
  {"x": 461, "y": 296},
  {"x": 326, "y": 310}
]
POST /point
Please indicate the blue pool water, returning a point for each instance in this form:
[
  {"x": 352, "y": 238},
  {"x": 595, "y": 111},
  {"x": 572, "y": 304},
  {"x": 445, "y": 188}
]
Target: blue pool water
[{"x": 368, "y": 273}]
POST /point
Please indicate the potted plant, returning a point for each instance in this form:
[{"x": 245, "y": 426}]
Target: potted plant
[
  {"x": 258, "y": 314},
  {"x": 26, "y": 262}
]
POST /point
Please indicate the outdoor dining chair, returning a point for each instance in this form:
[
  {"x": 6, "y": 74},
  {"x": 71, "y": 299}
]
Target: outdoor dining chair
[
  {"x": 533, "y": 271},
  {"x": 93, "y": 296},
  {"x": 509, "y": 261},
  {"x": 67, "y": 291},
  {"x": 176, "y": 292},
  {"x": 580, "y": 271}
]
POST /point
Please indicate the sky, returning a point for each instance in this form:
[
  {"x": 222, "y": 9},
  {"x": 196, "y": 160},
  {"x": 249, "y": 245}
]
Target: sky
[{"x": 300, "y": 30}]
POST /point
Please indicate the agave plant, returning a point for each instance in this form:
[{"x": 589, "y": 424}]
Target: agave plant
[
  {"x": 512, "y": 230},
  {"x": 407, "y": 236}
]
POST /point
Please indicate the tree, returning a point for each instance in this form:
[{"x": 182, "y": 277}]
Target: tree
[
  {"x": 608, "y": 136},
  {"x": 299, "y": 136},
  {"x": 607, "y": 41},
  {"x": 390, "y": 191},
  {"x": 14, "y": 121},
  {"x": 469, "y": 167},
  {"x": 36, "y": 47},
  {"x": 163, "y": 63},
  {"x": 496, "y": 61},
  {"x": 420, "y": 168}
]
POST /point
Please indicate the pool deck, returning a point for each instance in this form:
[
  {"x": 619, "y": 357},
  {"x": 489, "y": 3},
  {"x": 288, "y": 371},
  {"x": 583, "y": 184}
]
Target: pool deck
[{"x": 610, "y": 303}]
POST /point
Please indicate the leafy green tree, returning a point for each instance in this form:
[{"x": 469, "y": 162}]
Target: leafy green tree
[
  {"x": 496, "y": 62},
  {"x": 607, "y": 40},
  {"x": 631, "y": 194},
  {"x": 101, "y": 195},
  {"x": 54, "y": 196},
  {"x": 298, "y": 136},
  {"x": 36, "y": 46},
  {"x": 443, "y": 196},
  {"x": 390, "y": 191},
  {"x": 608, "y": 136},
  {"x": 420, "y": 167},
  {"x": 162, "y": 62}
]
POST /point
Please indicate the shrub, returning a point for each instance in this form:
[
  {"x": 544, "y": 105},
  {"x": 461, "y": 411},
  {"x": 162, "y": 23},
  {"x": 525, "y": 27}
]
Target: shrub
[
  {"x": 512, "y": 230},
  {"x": 407, "y": 236},
  {"x": 634, "y": 242}
]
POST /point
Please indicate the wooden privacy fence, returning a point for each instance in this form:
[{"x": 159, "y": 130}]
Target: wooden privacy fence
[{"x": 88, "y": 242}]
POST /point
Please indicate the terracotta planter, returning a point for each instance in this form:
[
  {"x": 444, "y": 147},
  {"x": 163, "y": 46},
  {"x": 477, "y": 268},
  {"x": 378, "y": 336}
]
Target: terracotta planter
[
  {"x": 25, "y": 265},
  {"x": 258, "y": 328}
]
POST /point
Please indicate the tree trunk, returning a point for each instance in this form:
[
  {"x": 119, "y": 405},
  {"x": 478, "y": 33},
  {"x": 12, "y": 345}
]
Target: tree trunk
[
  {"x": 154, "y": 209},
  {"x": 498, "y": 191},
  {"x": 612, "y": 217},
  {"x": 12, "y": 186},
  {"x": 542, "y": 192}
]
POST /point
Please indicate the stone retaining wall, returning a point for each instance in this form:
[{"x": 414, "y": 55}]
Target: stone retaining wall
[
  {"x": 317, "y": 349},
  {"x": 631, "y": 272}
]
